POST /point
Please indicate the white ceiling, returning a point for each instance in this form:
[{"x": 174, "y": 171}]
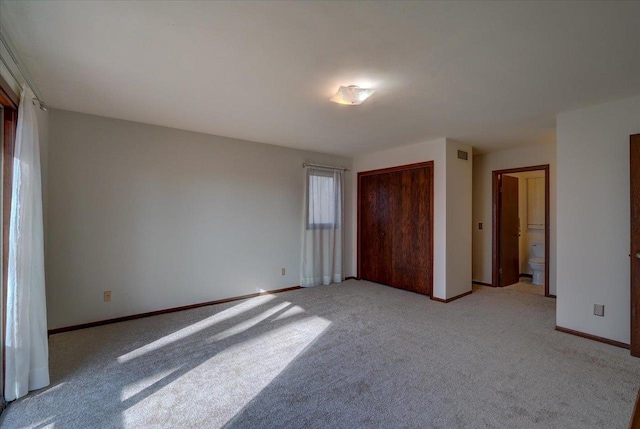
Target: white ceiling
[{"x": 493, "y": 75}]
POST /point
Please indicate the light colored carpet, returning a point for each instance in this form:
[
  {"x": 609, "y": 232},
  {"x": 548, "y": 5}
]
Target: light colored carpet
[
  {"x": 351, "y": 355},
  {"x": 525, "y": 285}
]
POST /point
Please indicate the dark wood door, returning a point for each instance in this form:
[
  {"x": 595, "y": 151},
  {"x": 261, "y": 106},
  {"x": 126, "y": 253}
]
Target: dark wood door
[
  {"x": 395, "y": 227},
  {"x": 635, "y": 244},
  {"x": 375, "y": 234},
  {"x": 509, "y": 232},
  {"x": 411, "y": 230}
]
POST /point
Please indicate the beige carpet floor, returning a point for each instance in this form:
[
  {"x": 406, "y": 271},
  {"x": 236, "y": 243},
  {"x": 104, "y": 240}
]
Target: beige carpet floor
[
  {"x": 525, "y": 285},
  {"x": 351, "y": 355}
]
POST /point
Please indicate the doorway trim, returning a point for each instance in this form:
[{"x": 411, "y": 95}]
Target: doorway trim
[
  {"x": 9, "y": 101},
  {"x": 495, "y": 263},
  {"x": 634, "y": 232}
]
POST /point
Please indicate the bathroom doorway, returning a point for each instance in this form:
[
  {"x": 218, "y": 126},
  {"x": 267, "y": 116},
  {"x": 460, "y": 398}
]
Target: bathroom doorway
[{"x": 521, "y": 229}]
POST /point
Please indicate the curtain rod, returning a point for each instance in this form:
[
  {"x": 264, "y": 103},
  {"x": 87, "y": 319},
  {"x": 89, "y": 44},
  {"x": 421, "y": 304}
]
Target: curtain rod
[
  {"x": 330, "y": 167},
  {"x": 25, "y": 76}
]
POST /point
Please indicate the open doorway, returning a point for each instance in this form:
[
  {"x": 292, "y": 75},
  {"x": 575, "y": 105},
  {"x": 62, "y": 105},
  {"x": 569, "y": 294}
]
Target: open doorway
[{"x": 521, "y": 229}]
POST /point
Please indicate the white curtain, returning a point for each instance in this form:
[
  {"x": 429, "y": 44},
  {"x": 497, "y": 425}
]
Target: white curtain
[
  {"x": 323, "y": 228},
  {"x": 27, "y": 352}
]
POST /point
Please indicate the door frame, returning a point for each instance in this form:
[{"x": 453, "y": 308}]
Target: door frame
[
  {"x": 634, "y": 340},
  {"x": 9, "y": 101},
  {"x": 495, "y": 263},
  {"x": 392, "y": 170}
]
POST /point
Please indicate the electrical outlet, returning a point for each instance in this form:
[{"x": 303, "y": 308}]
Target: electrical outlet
[
  {"x": 107, "y": 295},
  {"x": 282, "y": 271},
  {"x": 598, "y": 310},
  {"x": 480, "y": 225}
]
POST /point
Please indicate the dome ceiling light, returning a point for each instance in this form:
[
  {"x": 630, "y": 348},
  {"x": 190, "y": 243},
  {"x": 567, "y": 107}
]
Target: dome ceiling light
[{"x": 352, "y": 95}]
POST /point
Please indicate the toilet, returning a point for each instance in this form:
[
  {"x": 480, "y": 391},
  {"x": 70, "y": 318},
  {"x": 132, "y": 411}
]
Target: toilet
[{"x": 536, "y": 263}]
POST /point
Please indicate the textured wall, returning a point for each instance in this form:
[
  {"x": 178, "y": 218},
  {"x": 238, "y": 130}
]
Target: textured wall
[{"x": 165, "y": 218}]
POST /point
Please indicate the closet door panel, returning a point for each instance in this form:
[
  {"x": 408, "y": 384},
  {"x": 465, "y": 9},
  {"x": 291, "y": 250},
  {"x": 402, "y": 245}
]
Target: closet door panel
[
  {"x": 375, "y": 231},
  {"x": 395, "y": 224},
  {"x": 411, "y": 231}
]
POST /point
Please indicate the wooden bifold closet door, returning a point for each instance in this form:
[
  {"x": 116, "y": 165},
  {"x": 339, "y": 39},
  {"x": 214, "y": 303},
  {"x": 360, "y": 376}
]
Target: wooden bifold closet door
[{"x": 395, "y": 230}]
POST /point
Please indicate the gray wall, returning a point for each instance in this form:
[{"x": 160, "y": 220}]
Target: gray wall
[{"x": 166, "y": 218}]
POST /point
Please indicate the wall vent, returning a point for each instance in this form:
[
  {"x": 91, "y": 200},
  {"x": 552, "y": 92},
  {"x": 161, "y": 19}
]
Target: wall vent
[{"x": 463, "y": 155}]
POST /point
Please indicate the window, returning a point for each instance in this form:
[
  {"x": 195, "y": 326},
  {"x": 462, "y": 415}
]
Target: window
[
  {"x": 321, "y": 200},
  {"x": 322, "y": 239}
]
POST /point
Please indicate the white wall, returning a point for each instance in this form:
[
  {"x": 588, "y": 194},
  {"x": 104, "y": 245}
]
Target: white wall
[
  {"x": 447, "y": 254},
  {"x": 166, "y": 218},
  {"x": 8, "y": 74},
  {"x": 593, "y": 217},
  {"x": 459, "y": 220},
  {"x": 483, "y": 168}
]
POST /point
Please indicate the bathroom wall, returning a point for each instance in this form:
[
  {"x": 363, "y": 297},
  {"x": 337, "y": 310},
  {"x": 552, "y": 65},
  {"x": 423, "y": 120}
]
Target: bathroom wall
[{"x": 527, "y": 236}]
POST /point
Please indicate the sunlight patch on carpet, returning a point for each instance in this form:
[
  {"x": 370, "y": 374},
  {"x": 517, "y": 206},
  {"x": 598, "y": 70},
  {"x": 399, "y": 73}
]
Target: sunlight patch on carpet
[
  {"x": 137, "y": 387},
  {"x": 228, "y": 380},
  {"x": 249, "y": 323},
  {"x": 290, "y": 312},
  {"x": 196, "y": 327},
  {"x": 43, "y": 424}
]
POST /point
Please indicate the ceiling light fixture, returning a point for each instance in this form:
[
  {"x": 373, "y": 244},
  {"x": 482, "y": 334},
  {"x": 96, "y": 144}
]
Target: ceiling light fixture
[{"x": 352, "y": 95}]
